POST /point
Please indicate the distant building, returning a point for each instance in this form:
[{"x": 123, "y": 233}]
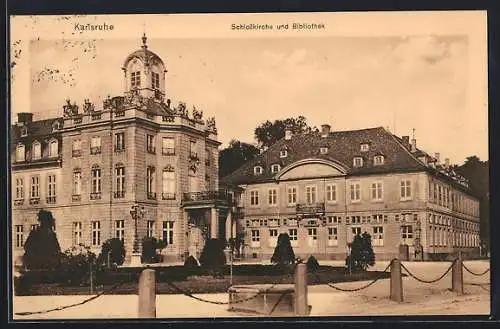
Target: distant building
[
  {"x": 90, "y": 166},
  {"x": 322, "y": 188}
]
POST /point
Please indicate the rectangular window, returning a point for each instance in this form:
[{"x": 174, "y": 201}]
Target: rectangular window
[
  {"x": 254, "y": 198},
  {"x": 120, "y": 182},
  {"x": 377, "y": 219},
  {"x": 355, "y": 192},
  {"x": 19, "y": 236},
  {"x": 192, "y": 149},
  {"x": 273, "y": 196},
  {"x": 292, "y": 195},
  {"x": 150, "y": 144},
  {"x": 168, "y": 232},
  {"x": 135, "y": 79},
  {"x": 77, "y": 233},
  {"x": 150, "y": 183},
  {"x": 51, "y": 189},
  {"x": 255, "y": 236},
  {"x": 96, "y": 233},
  {"x": 168, "y": 185},
  {"x": 312, "y": 236},
  {"x": 378, "y": 235},
  {"x": 311, "y": 194},
  {"x": 405, "y": 189},
  {"x": 168, "y": 146},
  {"x": 273, "y": 237},
  {"x": 95, "y": 145},
  {"x": 331, "y": 193},
  {"x": 77, "y": 183},
  {"x": 155, "y": 80},
  {"x": 35, "y": 187},
  {"x": 151, "y": 229},
  {"x": 77, "y": 148},
  {"x": 334, "y": 220},
  {"x": 119, "y": 142},
  {"x": 333, "y": 238},
  {"x": 292, "y": 233},
  {"x": 96, "y": 180},
  {"x": 376, "y": 191},
  {"x": 355, "y": 230},
  {"x": 406, "y": 234},
  {"x": 33, "y": 227},
  {"x": 120, "y": 229},
  {"x": 19, "y": 188}
]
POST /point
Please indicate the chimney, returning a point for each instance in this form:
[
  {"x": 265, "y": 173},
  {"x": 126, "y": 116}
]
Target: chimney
[
  {"x": 447, "y": 162},
  {"x": 25, "y": 117},
  {"x": 288, "y": 133},
  {"x": 406, "y": 140},
  {"x": 413, "y": 145},
  {"x": 325, "y": 130},
  {"x": 436, "y": 155}
]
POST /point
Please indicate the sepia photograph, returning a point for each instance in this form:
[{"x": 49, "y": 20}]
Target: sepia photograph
[{"x": 173, "y": 166}]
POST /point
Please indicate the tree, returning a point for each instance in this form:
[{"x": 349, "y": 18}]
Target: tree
[
  {"x": 212, "y": 256},
  {"x": 312, "y": 264},
  {"x": 150, "y": 245},
  {"x": 283, "y": 252},
  {"x": 234, "y": 156},
  {"x": 112, "y": 250},
  {"x": 269, "y": 132},
  {"x": 76, "y": 264},
  {"x": 362, "y": 254},
  {"x": 42, "y": 250}
]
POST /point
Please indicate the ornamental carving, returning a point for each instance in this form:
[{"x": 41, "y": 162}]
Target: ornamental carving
[
  {"x": 88, "y": 107},
  {"x": 211, "y": 125},
  {"x": 197, "y": 115},
  {"x": 70, "y": 110}
]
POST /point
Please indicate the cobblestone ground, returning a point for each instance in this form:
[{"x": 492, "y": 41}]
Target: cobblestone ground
[{"x": 419, "y": 299}]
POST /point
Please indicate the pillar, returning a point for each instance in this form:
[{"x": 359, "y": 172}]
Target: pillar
[
  {"x": 457, "y": 276},
  {"x": 147, "y": 294},
  {"x": 229, "y": 225},
  {"x": 396, "y": 293},
  {"x": 301, "y": 307},
  {"x": 214, "y": 223}
]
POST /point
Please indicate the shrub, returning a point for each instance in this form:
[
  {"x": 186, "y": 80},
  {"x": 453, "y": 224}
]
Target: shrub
[
  {"x": 76, "y": 264},
  {"x": 191, "y": 265},
  {"x": 212, "y": 255},
  {"x": 312, "y": 264},
  {"x": 149, "y": 254},
  {"x": 113, "y": 251},
  {"x": 42, "y": 250},
  {"x": 283, "y": 252},
  {"x": 362, "y": 254}
]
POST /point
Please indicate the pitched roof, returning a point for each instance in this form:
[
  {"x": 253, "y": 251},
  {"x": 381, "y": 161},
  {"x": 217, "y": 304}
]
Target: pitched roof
[
  {"x": 343, "y": 146},
  {"x": 40, "y": 130}
]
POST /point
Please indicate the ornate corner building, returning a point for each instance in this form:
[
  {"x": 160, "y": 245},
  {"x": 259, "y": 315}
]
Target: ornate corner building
[
  {"x": 322, "y": 188},
  {"x": 90, "y": 166}
]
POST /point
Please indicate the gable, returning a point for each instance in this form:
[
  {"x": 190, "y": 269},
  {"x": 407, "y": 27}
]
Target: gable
[{"x": 310, "y": 170}]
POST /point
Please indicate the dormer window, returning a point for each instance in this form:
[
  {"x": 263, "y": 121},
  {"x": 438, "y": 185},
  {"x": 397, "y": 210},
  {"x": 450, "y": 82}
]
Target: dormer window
[
  {"x": 365, "y": 147},
  {"x": 357, "y": 162},
  {"x": 20, "y": 153},
  {"x": 135, "y": 79},
  {"x": 24, "y": 131},
  {"x": 37, "y": 150},
  {"x": 378, "y": 160},
  {"x": 56, "y": 126},
  {"x": 283, "y": 153},
  {"x": 53, "y": 149},
  {"x": 257, "y": 170},
  {"x": 275, "y": 168},
  {"x": 323, "y": 150}
]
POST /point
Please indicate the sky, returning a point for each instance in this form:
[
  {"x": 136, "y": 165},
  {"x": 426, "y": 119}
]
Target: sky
[{"x": 402, "y": 82}]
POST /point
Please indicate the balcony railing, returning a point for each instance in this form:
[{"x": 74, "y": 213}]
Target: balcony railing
[
  {"x": 19, "y": 202},
  {"x": 207, "y": 196},
  {"x": 119, "y": 148},
  {"x": 168, "y": 196},
  {"x": 76, "y": 153},
  {"x": 193, "y": 155},
  {"x": 151, "y": 149},
  {"x": 95, "y": 150},
  {"x": 119, "y": 194},
  {"x": 35, "y": 200},
  {"x": 96, "y": 116},
  {"x": 76, "y": 197},
  {"x": 168, "y": 119},
  {"x": 310, "y": 209},
  {"x": 151, "y": 195},
  {"x": 95, "y": 196},
  {"x": 119, "y": 113},
  {"x": 51, "y": 199},
  {"x": 168, "y": 151},
  {"x": 77, "y": 121}
]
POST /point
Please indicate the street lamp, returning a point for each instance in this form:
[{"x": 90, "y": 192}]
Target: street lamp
[{"x": 137, "y": 212}]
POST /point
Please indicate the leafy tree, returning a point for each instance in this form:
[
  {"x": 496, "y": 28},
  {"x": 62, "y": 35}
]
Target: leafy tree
[
  {"x": 42, "y": 250},
  {"x": 76, "y": 264},
  {"x": 212, "y": 256},
  {"x": 116, "y": 250},
  {"x": 269, "y": 132},
  {"x": 362, "y": 254},
  {"x": 234, "y": 156},
  {"x": 150, "y": 245},
  {"x": 283, "y": 252}
]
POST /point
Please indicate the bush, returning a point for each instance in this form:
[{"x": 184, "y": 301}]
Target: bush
[
  {"x": 283, "y": 252},
  {"x": 42, "y": 250},
  {"x": 212, "y": 256},
  {"x": 76, "y": 264},
  {"x": 312, "y": 264},
  {"x": 362, "y": 254},
  {"x": 116, "y": 250}
]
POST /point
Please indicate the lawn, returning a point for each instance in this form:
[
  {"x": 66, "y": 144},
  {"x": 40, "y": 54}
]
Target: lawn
[{"x": 194, "y": 281}]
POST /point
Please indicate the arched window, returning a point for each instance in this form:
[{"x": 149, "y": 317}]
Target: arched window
[
  {"x": 20, "y": 153},
  {"x": 37, "y": 150},
  {"x": 275, "y": 168},
  {"x": 53, "y": 149},
  {"x": 257, "y": 170},
  {"x": 378, "y": 160},
  {"x": 168, "y": 183}
]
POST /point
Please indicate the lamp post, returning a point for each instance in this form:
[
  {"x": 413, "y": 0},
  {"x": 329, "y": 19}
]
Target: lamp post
[{"x": 137, "y": 212}]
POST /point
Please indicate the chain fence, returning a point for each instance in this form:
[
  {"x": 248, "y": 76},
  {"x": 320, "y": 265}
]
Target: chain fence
[
  {"x": 382, "y": 275},
  {"x": 428, "y": 281},
  {"x": 473, "y": 273}
]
